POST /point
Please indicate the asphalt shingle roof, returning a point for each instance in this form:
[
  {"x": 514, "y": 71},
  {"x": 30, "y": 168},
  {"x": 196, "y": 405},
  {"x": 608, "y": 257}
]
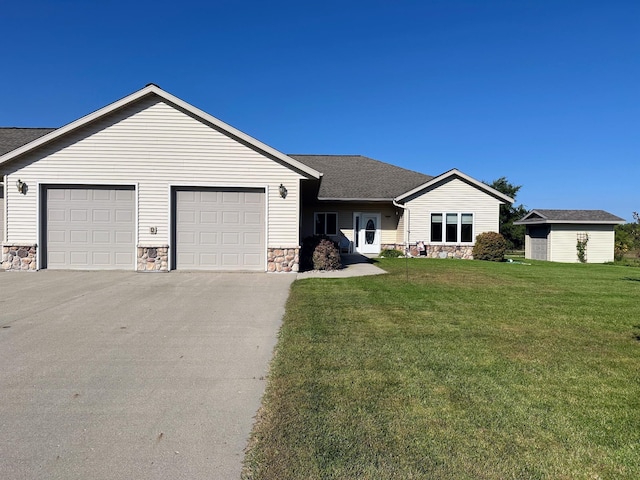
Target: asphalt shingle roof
[
  {"x": 358, "y": 177},
  {"x": 585, "y": 216},
  {"x": 12, "y": 137},
  {"x": 345, "y": 176}
]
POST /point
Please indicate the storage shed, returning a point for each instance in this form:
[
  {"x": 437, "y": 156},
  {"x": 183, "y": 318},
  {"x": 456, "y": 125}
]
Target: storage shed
[{"x": 554, "y": 235}]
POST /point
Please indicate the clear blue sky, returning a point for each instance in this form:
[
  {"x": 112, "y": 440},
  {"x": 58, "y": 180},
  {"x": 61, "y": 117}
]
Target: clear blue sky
[{"x": 546, "y": 93}]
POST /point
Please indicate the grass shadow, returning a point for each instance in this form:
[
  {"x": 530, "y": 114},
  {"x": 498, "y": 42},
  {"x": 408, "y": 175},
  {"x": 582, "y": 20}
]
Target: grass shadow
[{"x": 632, "y": 279}]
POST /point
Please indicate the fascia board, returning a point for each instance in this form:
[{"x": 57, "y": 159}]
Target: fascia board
[
  {"x": 568, "y": 222},
  {"x": 456, "y": 173}
]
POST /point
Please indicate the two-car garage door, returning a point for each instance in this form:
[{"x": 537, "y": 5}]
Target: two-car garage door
[{"x": 93, "y": 228}]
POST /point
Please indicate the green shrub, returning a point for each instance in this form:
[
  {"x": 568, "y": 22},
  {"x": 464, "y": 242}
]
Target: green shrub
[
  {"x": 319, "y": 252},
  {"x": 391, "y": 253},
  {"x": 490, "y": 246}
]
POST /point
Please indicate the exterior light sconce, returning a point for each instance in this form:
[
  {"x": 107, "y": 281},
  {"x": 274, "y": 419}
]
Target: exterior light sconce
[
  {"x": 283, "y": 191},
  {"x": 21, "y": 186}
]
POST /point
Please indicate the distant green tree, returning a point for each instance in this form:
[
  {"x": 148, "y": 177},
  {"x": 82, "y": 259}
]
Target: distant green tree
[
  {"x": 513, "y": 234},
  {"x": 628, "y": 238}
]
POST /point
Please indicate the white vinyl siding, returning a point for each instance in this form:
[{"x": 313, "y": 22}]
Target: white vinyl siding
[
  {"x": 452, "y": 196},
  {"x": 156, "y": 146},
  {"x": 563, "y": 240}
]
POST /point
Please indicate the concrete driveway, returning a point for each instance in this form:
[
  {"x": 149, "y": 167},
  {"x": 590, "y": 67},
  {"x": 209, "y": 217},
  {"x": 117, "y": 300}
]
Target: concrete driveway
[{"x": 116, "y": 375}]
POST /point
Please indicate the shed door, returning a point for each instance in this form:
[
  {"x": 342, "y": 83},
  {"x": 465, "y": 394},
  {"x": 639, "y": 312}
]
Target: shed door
[
  {"x": 539, "y": 241},
  {"x": 220, "y": 229},
  {"x": 90, "y": 227}
]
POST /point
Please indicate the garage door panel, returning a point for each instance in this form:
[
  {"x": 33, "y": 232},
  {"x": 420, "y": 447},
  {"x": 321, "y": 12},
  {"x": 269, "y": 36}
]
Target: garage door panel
[
  {"x": 56, "y": 215},
  {"x": 124, "y": 216},
  {"x": 101, "y": 236},
  {"x": 78, "y": 236},
  {"x": 57, "y": 236},
  {"x": 228, "y": 232},
  {"x": 209, "y": 217},
  {"x": 231, "y": 197},
  {"x": 90, "y": 227},
  {"x": 230, "y": 239},
  {"x": 251, "y": 239},
  {"x": 231, "y": 218},
  {"x": 79, "y": 194},
  {"x": 208, "y": 238}
]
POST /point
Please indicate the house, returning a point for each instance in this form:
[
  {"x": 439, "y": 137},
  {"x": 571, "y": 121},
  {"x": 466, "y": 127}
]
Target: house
[
  {"x": 152, "y": 183},
  {"x": 555, "y": 234}
]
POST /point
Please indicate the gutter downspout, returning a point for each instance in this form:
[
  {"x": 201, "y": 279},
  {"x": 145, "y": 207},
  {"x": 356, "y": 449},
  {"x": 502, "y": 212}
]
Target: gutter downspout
[{"x": 407, "y": 231}]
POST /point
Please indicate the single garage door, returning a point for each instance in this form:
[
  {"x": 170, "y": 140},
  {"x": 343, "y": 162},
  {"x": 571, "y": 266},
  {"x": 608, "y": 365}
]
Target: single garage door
[
  {"x": 90, "y": 228},
  {"x": 220, "y": 229}
]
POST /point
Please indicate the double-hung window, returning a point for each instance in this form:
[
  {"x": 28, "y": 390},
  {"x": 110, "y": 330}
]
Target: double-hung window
[
  {"x": 451, "y": 227},
  {"x": 326, "y": 223}
]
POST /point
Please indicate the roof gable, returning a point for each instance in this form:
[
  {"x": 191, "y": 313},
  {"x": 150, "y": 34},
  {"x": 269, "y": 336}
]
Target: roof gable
[
  {"x": 356, "y": 177},
  {"x": 540, "y": 216},
  {"x": 455, "y": 173},
  {"x": 46, "y": 136}
]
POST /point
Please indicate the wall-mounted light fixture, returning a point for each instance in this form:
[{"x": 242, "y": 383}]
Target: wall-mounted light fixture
[
  {"x": 21, "y": 186},
  {"x": 283, "y": 191}
]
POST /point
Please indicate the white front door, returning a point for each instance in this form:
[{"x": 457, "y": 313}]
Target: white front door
[{"x": 367, "y": 232}]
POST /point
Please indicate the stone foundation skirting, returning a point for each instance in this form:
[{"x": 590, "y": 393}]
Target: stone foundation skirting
[
  {"x": 153, "y": 258},
  {"x": 19, "y": 257},
  {"x": 392, "y": 246},
  {"x": 444, "y": 251},
  {"x": 283, "y": 259}
]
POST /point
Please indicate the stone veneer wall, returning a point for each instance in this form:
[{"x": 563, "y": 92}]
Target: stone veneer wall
[
  {"x": 450, "y": 251},
  {"x": 153, "y": 258},
  {"x": 392, "y": 246},
  {"x": 283, "y": 259},
  {"x": 20, "y": 257}
]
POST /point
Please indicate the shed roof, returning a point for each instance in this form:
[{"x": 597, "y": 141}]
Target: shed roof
[
  {"x": 540, "y": 216},
  {"x": 356, "y": 177}
]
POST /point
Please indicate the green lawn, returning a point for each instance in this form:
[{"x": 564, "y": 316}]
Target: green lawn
[{"x": 456, "y": 369}]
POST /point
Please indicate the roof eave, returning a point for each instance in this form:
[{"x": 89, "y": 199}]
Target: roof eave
[
  {"x": 570, "y": 222},
  {"x": 341, "y": 199}
]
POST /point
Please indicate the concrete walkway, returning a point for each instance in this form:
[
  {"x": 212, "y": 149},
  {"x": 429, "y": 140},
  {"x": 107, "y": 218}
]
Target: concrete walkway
[{"x": 355, "y": 265}]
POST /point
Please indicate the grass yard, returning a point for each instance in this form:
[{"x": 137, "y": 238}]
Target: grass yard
[{"x": 468, "y": 370}]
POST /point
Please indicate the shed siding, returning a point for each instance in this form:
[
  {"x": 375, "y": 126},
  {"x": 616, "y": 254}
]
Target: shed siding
[
  {"x": 153, "y": 145},
  {"x": 453, "y": 196},
  {"x": 563, "y": 240}
]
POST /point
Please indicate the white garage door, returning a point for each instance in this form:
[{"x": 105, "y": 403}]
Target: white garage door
[
  {"x": 90, "y": 228},
  {"x": 220, "y": 229}
]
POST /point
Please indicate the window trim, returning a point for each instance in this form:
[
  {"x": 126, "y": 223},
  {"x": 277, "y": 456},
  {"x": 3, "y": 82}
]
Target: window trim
[
  {"x": 443, "y": 216},
  {"x": 315, "y": 223}
]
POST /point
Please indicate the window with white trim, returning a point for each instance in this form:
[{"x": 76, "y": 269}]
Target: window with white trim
[
  {"x": 451, "y": 227},
  {"x": 326, "y": 223}
]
